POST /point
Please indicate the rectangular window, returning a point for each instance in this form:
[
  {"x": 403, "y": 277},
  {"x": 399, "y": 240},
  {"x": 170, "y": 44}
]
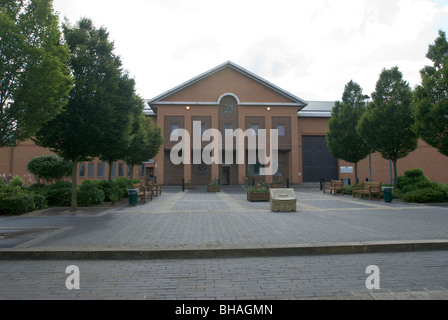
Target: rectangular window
[
  {"x": 129, "y": 169},
  {"x": 174, "y": 129},
  {"x": 254, "y": 127},
  {"x": 141, "y": 171},
  {"x": 99, "y": 170},
  {"x": 121, "y": 170},
  {"x": 114, "y": 169},
  {"x": 82, "y": 170},
  {"x": 254, "y": 169},
  {"x": 281, "y": 130},
  {"x": 280, "y": 169},
  {"x": 228, "y": 129},
  {"x": 91, "y": 170}
]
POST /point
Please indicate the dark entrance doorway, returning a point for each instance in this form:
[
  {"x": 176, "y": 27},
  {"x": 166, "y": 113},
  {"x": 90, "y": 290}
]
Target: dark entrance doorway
[
  {"x": 225, "y": 176},
  {"x": 317, "y": 160}
]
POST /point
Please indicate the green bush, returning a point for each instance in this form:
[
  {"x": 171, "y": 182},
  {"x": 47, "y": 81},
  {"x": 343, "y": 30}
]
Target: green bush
[
  {"x": 17, "y": 182},
  {"x": 16, "y": 203},
  {"x": 414, "y": 186},
  {"x": 59, "y": 194},
  {"x": 112, "y": 191},
  {"x": 412, "y": 178},
  {"x": 427, "y": 195},
  {"x": 49, "y": 168},
  {"x": 40, "y": 201},
  {"x": 90, "y": 193}
]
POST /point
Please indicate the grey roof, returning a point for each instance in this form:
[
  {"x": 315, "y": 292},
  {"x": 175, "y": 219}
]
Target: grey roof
[
  {"x": 317, "y": 109},
  {"x": 295, "y": 100}
]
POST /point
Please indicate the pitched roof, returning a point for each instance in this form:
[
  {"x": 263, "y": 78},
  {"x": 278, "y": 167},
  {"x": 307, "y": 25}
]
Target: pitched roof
[
  {"x": 317, "y": 109},
  {"x": 154, "y": 102}
]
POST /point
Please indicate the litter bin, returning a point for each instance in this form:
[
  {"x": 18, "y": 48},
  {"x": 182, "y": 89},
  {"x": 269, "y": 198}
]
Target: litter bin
[
  {"x": 133, "y": 196},
  {"x": 388, "y": 193}
]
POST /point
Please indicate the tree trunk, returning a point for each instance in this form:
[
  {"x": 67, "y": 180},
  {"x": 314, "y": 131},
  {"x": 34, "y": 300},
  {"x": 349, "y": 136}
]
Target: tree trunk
[
  {"x": 356, "y": 173},
  {"x": 132, "y": 172},
  {"x": 74, "y": 183},
  {"x": 109, "y": 178},
  {"x": 395, "y": 173}
]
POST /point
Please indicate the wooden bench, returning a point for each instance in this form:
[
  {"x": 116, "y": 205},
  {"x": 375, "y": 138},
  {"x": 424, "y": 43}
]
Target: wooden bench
[
  {"x": 334, "y": 186},
  {"x": 155, "y": 189},
  {"x": 370, "y": 188},
  {"x": 141, "y": 193}
]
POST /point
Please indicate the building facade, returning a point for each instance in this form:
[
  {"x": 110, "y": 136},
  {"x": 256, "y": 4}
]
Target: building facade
[{"x": 229, "y": 98}]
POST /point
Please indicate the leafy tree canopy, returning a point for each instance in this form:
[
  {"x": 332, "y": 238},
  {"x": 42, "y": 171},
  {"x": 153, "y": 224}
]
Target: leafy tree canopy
[
  {"x": 343, "y": 140},
  {"x": 431, "y": 97},
  {"x": 388, "y": 124},
  {"x": 34, "y": 74}
]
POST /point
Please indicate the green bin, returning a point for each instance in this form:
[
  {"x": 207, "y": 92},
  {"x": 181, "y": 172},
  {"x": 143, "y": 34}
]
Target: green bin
[
  {"x": 388, "y": 193},
  {"x": 133, "y": 196}
]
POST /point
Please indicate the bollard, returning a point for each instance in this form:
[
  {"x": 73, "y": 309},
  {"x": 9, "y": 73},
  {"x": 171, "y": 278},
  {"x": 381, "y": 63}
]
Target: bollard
[
  {"x": 287, "y": 183},
  {"x": 183, "y": 185}
]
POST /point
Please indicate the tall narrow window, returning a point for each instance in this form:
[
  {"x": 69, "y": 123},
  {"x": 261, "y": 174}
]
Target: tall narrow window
[
  {"x": 121, "y": 170},
  {"x": 281, "y": 130},
  {"x": 91, "y": 170},
  {"x": 82, "y": 170},
  {"x": 99, "y": 170},
  {"x": 228, "y": 127},
  {"x": 174, "y": 129},
  {"x": 254, "y": 127}
]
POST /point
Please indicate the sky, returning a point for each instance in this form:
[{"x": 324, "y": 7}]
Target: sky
[{"x": 311, "y": 49}]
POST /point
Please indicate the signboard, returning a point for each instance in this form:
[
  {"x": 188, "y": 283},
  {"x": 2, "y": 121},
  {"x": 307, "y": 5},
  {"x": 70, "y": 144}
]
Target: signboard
[{"x": 346, "y": 169}]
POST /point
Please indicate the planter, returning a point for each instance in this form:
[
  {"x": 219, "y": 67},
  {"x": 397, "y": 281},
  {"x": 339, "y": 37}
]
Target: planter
[
  {"x": 258, "y": 196},
  {"x": 276, "y": 185},
  {"x": 213, "y": 189},
  {"x": 190, "y": 186}
]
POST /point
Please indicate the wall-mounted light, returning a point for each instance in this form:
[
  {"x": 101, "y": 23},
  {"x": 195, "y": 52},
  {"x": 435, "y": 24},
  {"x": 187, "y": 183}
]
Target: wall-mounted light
[
  {"x": 188, "y": 108},
  {"x": 269, "y": 109}
]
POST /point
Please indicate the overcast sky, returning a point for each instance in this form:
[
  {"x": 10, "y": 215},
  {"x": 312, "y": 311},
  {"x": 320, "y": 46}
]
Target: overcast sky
[{"x": 309, "y": 48}]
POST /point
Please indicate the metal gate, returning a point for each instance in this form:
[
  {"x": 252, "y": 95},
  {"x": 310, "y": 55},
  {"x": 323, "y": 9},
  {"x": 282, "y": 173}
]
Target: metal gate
[{"x": 317, "y": 160}]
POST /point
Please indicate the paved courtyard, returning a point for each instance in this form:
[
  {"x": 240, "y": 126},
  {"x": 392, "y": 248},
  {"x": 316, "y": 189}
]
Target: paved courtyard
[{"x": 197, "y": 219}]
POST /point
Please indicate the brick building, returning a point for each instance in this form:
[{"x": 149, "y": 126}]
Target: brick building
[{"x": 230, "y": 97}]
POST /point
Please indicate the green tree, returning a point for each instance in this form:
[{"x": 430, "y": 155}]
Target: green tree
[
  {"x": 34, "y": 74},
  {"x": 431, "y": 97},
  {"x": 343, "y": 139},
  {"x": 388, "y": 123},
  {"x": 51, "y": 168},
  {"x": 145, "y": 142},
  {"x": 116, "y": 135},
  {"x": 76, "y": 134}
]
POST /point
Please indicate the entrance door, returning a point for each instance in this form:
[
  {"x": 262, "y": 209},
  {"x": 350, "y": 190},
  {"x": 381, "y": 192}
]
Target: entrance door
[
  {"x": 317, "y": 160},
  {"x": 225, "y": 176}
]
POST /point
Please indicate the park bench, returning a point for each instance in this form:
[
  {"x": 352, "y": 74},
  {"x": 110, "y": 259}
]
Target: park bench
[
  {"x": 370, "y": 188},
  {"x": 141, "y": 192},
  {"x": 154, "y": 189},
  {"x": 334, "y": 186}
]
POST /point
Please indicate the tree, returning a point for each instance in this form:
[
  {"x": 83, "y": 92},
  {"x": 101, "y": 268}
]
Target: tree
[
  {"x": 76, "y": 134},
  {"x": 34, "y": 74},
  {"x": 145, "y": 142},
  {"x": 116, "y": 135},
  {"x": 431, "y": 97},
  {"x": 343, "y": 139},
  {"x": 51, "y": 168},
  {"x": 388, "y": 123}
]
